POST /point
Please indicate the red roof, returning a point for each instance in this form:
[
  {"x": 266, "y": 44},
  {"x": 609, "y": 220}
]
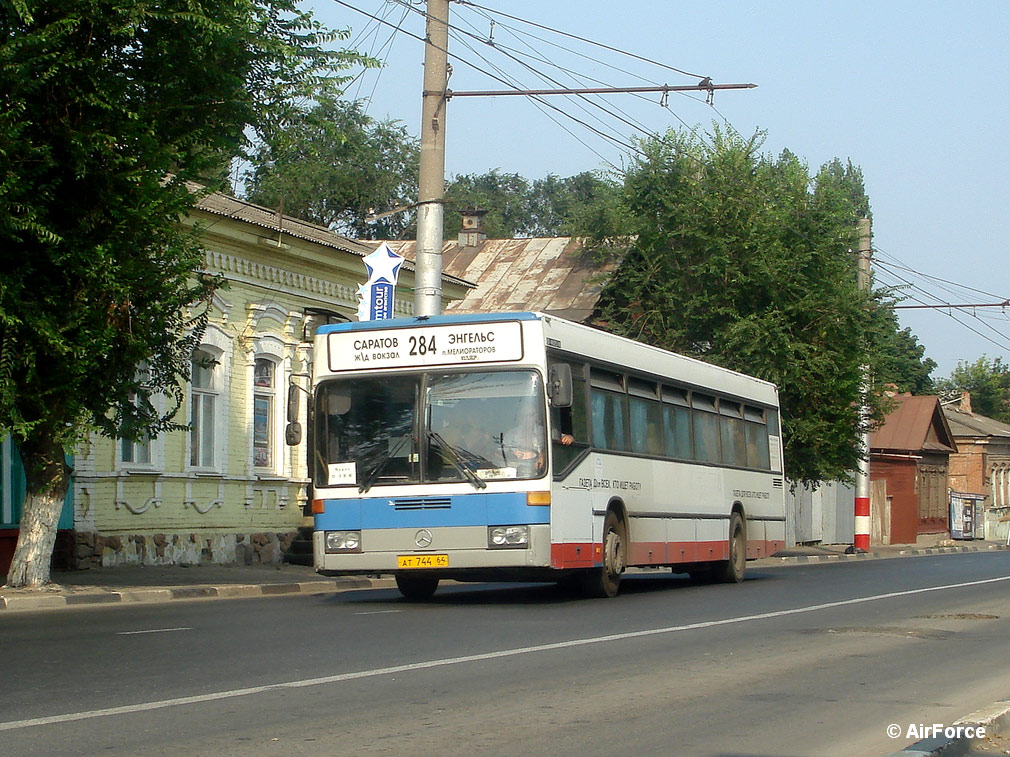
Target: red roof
[{"x": 916, "y": 424}]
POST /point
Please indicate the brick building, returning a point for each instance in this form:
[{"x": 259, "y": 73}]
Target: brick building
[
  {"x": 981, "y": 464},
  {"x": 909, "y": 463}
]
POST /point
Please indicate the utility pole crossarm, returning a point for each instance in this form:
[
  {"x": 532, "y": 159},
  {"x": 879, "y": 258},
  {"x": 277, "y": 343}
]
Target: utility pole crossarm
[
  {"x": 595, "y": 90},
  {"x": 946, "y": 306}
]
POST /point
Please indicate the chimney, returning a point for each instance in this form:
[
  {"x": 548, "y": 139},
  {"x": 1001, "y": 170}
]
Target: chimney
[
  {"x": 965, "y": 402},
  {"x": 472, "y": 232}
]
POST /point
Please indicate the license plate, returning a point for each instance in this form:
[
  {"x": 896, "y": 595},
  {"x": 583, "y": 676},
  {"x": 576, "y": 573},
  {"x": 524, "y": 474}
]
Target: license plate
[{"x": 422, "y": 561}]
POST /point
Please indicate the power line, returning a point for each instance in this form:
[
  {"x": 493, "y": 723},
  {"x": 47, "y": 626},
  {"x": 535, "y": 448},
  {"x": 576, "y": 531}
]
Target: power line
[
  {"x": 969, "y": 306},
  {"x": 947, "y": 310},
  {"x": 580, "y": 39}
]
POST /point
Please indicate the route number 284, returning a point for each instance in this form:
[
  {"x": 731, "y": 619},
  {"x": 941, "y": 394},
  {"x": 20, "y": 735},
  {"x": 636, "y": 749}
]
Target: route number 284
[{"x": 421, "y": 346}]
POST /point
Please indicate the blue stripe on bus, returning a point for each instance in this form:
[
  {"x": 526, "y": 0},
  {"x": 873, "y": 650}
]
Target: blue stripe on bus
[
  {"x": 507, "y": 508},
  {"x": 435, "y": 320}
]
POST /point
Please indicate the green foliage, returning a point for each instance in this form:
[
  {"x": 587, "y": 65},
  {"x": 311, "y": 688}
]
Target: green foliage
[
  {"x": 747, "y": 261},
  {"x": 333, "y": 165},
  {"x": 505, "y": 197},
  {"x": 987, "y": 380},
  {"x": 551, "y": 206},
  {"x": 899, "y": 358},
  {"x": 108, "y": 108}
]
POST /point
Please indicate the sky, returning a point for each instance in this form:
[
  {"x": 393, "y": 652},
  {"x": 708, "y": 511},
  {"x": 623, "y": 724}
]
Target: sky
[{"x": 913, "y": 93}]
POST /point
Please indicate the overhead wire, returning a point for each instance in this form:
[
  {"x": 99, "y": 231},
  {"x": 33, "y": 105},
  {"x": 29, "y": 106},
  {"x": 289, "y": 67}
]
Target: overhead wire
[
  {"x": 544, "y": 106},
  {"x": 944, "y": 307},
  {"x": 541, "y": 57},
  {"x": 503, "y": 78},
  {"x": 582, "y": 79},
  {"x": 616, "y": 139},
  {"x": 383, "y": 56},
  {"x": 580, "y": 39},
  {"x": 513, "y": 84},
  {"x": 521, "y": 58}
]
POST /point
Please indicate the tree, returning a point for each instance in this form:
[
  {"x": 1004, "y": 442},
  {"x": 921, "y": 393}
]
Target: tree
[
  {"x": 546, "y": 207},
  {"x": 333, "y": 165},
  {"x": 505, "y": 197},
  {"x": 577, "y": 205},
  {"x": 108, "y": 109},
  {"x": 746, "y": 261},
  {"x": 987, "y": 380},
  {"x": 900, "y": 358}
]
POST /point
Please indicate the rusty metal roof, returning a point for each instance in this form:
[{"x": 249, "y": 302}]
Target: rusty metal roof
[
  {"x": 974, "y": 425},
  {"x": 549, "y": 274},
  {"x": 916, "y": 424}
]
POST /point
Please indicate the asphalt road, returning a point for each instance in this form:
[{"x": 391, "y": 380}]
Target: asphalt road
[{"x": 797, "y": 660}]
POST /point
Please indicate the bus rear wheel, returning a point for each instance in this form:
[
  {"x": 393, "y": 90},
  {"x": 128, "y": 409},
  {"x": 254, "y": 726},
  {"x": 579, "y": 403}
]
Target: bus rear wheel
[
  {"x": 416, "y": 588},
  {"x": 605, "y": 581},
  {"x": 731, "y": 571}
]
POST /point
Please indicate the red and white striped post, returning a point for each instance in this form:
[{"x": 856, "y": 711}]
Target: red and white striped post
[
  {"x": 861, "y": 530},
  {"x": 861, "y": 538}
]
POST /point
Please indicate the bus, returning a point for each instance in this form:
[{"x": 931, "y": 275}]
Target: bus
[{"x": 522, "y": 446}]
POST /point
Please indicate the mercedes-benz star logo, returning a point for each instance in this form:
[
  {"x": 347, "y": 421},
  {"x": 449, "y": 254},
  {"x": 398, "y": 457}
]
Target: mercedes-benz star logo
[{"x": 423, "y": 538}]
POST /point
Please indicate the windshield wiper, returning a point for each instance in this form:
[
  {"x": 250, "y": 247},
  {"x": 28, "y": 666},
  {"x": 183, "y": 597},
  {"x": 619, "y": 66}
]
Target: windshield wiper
[
  {"x": 458, "y": 461},
  {"x": 373, "y": 474}
]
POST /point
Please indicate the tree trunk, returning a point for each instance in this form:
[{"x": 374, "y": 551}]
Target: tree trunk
[{"x": 47, "y": 478}]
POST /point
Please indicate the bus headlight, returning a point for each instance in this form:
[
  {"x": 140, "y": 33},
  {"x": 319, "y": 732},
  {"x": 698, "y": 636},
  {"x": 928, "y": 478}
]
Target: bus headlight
[
  {"x": 343, "y": 541},
  {"x": 508, "y": 537}
]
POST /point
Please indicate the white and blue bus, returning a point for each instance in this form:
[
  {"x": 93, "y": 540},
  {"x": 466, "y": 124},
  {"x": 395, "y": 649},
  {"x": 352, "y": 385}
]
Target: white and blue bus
[{"x": 521, "y": 446}]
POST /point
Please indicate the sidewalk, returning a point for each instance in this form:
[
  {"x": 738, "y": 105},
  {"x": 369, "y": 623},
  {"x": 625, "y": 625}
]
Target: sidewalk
[
  {"x": 147, "y": 583},
  {"x": 928, "y": 544},
  {"x": 164, "y": 583}
]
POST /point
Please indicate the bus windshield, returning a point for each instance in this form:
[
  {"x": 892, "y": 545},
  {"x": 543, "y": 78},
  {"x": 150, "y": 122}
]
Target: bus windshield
[{"x": 430, "y": 427}]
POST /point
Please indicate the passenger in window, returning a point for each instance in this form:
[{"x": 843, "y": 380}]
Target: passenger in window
[{"x": 561, "y": 431}]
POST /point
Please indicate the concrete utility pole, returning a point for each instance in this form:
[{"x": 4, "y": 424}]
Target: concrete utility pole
[
  {"x": 861, "y": 537},
  {"x": 431, "y": 178}
]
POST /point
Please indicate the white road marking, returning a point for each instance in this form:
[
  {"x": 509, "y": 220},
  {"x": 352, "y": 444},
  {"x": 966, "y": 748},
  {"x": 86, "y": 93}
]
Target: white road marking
[
  {"x": 410, "y": 667},
  {"x": 154, "y": 630},
  {"x": 378, "y": 612}
]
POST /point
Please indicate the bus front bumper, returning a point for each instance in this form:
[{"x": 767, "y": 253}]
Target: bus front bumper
[{"x": 447, "y": 549}]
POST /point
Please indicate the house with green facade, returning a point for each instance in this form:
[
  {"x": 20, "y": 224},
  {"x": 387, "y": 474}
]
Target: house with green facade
[{"x": 229, "y": 489}]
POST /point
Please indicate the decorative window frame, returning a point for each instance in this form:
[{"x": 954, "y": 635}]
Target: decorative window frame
[
  {"x": 156, "y": 449},
  {"x": 274, "y": 349},
  {"x": 218, "y": 345}
]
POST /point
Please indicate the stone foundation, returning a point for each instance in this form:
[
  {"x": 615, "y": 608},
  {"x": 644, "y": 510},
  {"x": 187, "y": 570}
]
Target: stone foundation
[{"x": 91, "y": 550}]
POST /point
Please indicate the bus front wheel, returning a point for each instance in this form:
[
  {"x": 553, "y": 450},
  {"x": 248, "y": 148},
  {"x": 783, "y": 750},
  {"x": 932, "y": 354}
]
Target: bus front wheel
[
  {"x": 416, "y": 588},
  {"x": 606, "y": 580},
  {"x": 731, "y": 571}
]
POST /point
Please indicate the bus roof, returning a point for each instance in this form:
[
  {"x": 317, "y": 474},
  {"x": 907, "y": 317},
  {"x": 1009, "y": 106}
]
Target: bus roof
[{"x": 595, "y": 344}]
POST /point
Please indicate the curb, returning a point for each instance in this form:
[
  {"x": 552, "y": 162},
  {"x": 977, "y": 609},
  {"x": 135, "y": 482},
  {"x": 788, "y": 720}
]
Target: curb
[
  {"x": 993, "y": 718},
  {"x": 49, "y": 600},
  {"x": 804, "y": 559},
  {"x": 28, "y": 603}
]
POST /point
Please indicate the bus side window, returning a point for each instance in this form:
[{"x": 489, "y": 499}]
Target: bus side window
[
  {"x": 570, "y": 420},
  {"x": 705, "y": 425}
]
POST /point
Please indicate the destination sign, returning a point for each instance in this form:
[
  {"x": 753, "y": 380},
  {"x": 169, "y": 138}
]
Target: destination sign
[{"x": 426, "y": 346}]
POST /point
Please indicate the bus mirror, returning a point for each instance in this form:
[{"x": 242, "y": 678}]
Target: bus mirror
[
  {"x": 293, "y": 434},
  {"x": 559, "y": 385},
  {"x": 293, "y": 390}
]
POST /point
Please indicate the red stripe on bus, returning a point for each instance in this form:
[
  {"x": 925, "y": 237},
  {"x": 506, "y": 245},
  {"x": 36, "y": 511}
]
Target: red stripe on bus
[{"x": 588, "y": 555}]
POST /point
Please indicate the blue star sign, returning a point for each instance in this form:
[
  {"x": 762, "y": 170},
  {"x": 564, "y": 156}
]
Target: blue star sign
[{"x": 383, "y": 265}]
